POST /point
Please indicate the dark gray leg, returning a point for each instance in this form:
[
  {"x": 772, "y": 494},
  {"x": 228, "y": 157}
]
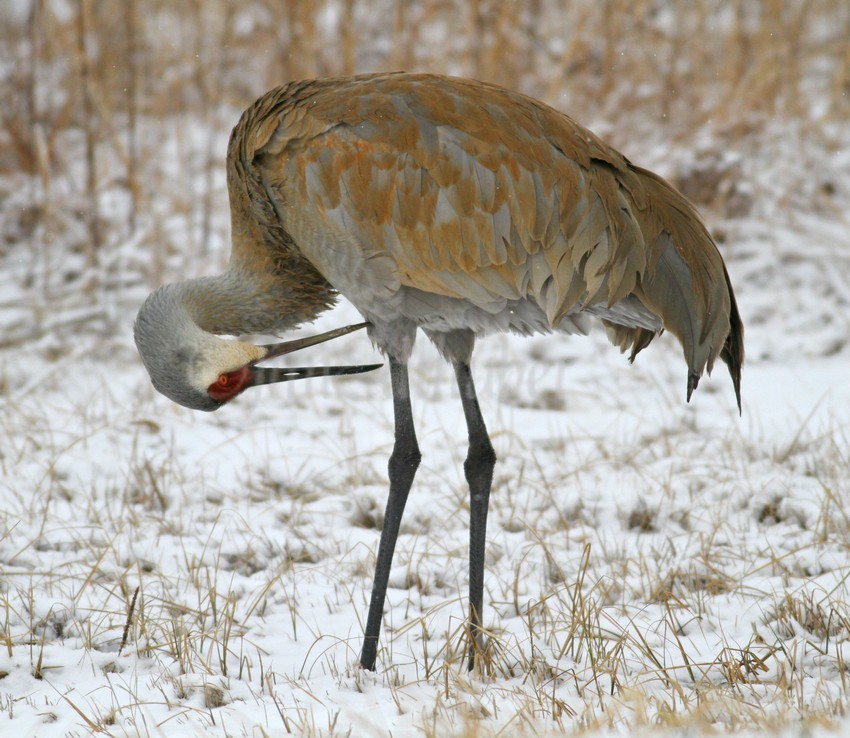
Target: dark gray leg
[
  {"x": 402, "y": 468},
  {"x": 479, "y": 464}
]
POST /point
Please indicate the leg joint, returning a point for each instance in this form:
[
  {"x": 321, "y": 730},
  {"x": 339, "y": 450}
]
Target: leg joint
[
  {"x": 404, "y": 462},
  {"x": 481, "y": 459}
]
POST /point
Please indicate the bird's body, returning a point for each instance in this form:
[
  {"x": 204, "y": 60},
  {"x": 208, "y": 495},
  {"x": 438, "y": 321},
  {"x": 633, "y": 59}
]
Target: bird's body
[
  {"x": 452, "y": 206},
  {"x": 456, "y": 205}
]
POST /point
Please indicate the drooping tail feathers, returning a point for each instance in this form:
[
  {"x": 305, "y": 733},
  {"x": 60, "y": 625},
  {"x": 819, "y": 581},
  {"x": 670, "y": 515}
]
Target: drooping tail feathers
[{"x": 686, "y": 282}]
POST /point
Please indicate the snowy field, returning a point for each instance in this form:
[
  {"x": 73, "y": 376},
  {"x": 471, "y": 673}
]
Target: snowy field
[{"x": 654, "y": 568}]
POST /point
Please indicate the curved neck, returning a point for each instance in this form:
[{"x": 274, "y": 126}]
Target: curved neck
[{"x": 237, "y": 302}]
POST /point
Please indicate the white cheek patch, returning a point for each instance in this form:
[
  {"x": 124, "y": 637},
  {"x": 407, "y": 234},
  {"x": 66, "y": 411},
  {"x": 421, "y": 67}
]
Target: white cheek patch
[
  {"x": 219, "y": 357},
  {"x": 202, "y": 377}
]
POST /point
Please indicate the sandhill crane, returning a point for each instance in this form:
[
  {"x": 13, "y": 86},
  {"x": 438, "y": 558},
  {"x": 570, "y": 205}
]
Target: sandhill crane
[{"x": 449, "y": 205}]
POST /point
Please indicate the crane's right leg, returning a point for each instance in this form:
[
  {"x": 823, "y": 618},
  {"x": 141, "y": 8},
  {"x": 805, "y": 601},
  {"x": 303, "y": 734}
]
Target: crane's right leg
[
  {"x": 403, "y": 463},
  {"x": 478, "y": 467}
]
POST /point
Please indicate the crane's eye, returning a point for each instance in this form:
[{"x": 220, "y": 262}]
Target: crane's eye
[{"x": 230, "y": 384}]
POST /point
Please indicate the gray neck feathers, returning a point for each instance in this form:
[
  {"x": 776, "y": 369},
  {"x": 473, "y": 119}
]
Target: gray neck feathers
[{"x": 230, "y": 304}]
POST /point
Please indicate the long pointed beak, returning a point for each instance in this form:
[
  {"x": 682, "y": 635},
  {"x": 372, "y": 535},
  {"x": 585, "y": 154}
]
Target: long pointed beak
[
  {"x": 269, "y": 375},
  {"x": 287, "y": 347}
]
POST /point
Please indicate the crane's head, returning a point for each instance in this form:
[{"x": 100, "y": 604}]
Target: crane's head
[{"x": 201, "y": 371}]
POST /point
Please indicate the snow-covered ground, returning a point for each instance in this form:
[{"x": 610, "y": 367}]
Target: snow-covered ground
[{"x": 650, "y": 562}]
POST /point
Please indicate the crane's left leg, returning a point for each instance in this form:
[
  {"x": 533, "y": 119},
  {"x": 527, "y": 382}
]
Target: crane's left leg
[{"x": 478, "y": 467}]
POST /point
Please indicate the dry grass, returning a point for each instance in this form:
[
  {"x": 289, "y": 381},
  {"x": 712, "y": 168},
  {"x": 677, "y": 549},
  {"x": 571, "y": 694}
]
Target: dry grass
[{"x": 587, "y": 630}]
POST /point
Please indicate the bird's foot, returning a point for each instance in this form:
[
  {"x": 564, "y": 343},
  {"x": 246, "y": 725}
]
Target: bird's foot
[{"x": 480, "y": 651}]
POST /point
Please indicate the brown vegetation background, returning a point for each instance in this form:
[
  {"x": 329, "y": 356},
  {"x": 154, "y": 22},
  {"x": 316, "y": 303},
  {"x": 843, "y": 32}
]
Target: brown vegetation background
[{"x": 106, "y": 104}]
